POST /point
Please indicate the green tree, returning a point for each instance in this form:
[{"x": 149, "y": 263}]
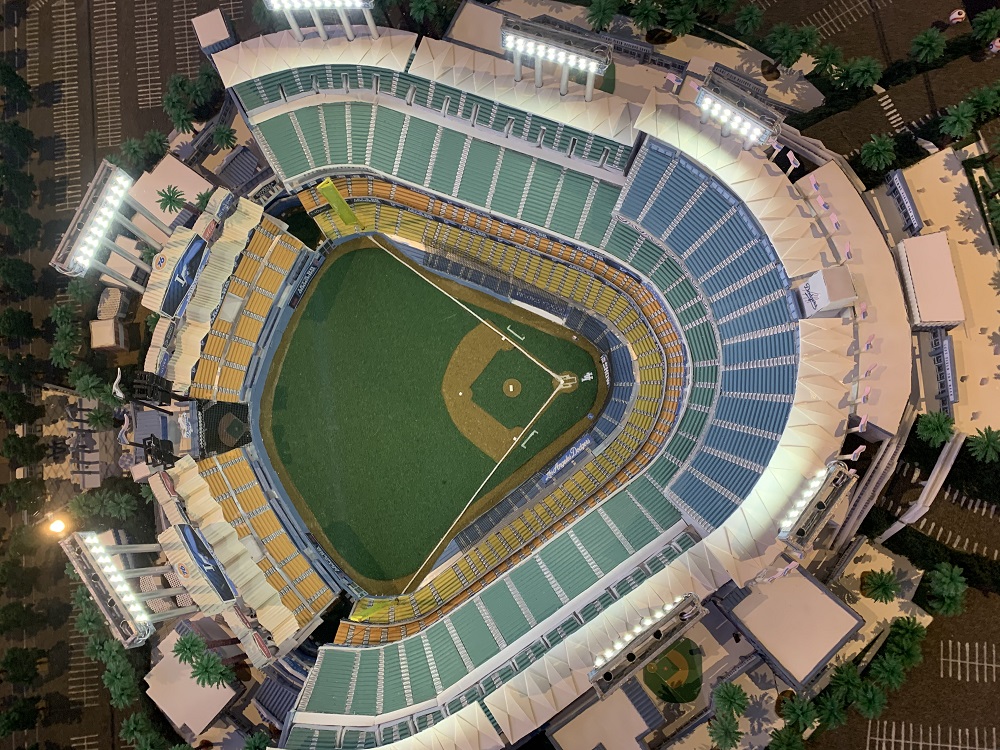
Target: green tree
[
  {"x": 947, "y": 587},
  {"x": 18, "y": 186},
  {"x": 201, "y": 203},
  {"x": 879, "y": 153},
  {"x": 724, "y": 729},
  {"x": 188, "y": 648},
  {"x": 798, "y": 712},
  {"x": 17, "y": 92},
  {"x": 23, "y": 451},
  {"x": 783, "y": 44},
  {"x": 17, "y": 138},
  {"x": 23, "y": 229},
  {"x": 22, "y": 541},
  {"x": 928, "y": 46},
  {"x": 986, "y": 25},
  {"x": 101, "y": 418},
  {"x": 601, "y": 13},
  {"x": 829, "y": 58},
  {"x": 985, "y": 445},
  {"x": 87, "y": 384},
  {"x": 133, "y": 152},
  {"x": 887, "y": 672},
  {"x": 908, "y": 628},
  {"x": 845, "y": 682},
  {"x": 423, "y": 11},
  {"x": 155, "y": 145},
  {"x": 646, "y": 14},
  {"x": 27, "y": 495},
  {"x": 860, "y": 72},
  {"x": 786, "y": 738},
  {"x": 118, "y": 505},
  {"x": 730, "y": 698},
  {"x": 809, "y": 38},
  {"x": 20, "y": 665},
  {"x": 17, "y": 277},
  {"x": 83, "y": 291},
  {"x": 89, "y": 621},
  {"x": 120, "y": 679},
  {"x": 871, "y": 700},
  {"x": 62, "y": 315},
  {"x": 830, "y": 711},
  {"x": 959, "y": 120},
  {"x": 880, "y": 585},
  {"x": 171, "y": 199},
  {"x": 985, "y": 101},
  {"x": 681, "y": 19},
  {"x": 16, "y": 616},
  {"x": 208, "y": 670},
  {"x": 134, "y": 726},
  {"x": 18, "y": 368},
  {"x": 224, "y": 137},
  {"x": 907, "y": 651},
  {"x": 16, "y": 408},
  {"x": 17, "y": 325},
  {"x": 935, "y": 428},
  {"x": 257, "y": 741},
  {"x": 63, "y": 354},
  {"x": 748, "y": 20},
  {"x": 21, "y": 714}
]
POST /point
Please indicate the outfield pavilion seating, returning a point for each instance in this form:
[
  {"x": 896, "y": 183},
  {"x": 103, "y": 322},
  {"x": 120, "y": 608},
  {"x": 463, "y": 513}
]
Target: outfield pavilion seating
[
  {"x": 318, "y": 138},
  {"x": 235, "y": 487},
  {"x": 247, "y": 300},
  {"x": 419, "y": 93}
]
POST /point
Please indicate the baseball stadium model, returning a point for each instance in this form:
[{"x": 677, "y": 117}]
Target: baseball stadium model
[{"x": 560, "y": 367}]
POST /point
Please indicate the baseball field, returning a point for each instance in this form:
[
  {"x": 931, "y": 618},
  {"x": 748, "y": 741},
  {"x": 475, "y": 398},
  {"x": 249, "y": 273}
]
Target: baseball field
[
  {"x": 675, "y": 677},
  {"x": 400, "y": 400}
]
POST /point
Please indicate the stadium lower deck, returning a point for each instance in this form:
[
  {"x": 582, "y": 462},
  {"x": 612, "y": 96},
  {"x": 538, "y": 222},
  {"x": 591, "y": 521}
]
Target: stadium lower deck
[{"x": 664, "y": 268}]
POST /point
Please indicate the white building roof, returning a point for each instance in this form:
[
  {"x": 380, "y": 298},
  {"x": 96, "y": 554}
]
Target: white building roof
[
  {"x": 170, "y": 171},
  {"x": 179, "y": 696},
  {"x": 930, "y": 281},
  {"x": 798, "y": 622},
  {"x": 211, "y": 28}
]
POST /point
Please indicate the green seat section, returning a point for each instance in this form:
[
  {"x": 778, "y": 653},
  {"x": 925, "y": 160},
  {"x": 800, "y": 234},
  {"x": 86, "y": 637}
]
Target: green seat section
[
  {"x": 599, "y": 214},
  {"x": 420, "y": 136},
  {"x": 600, "y": 541},
  {"x": 329, "y": 693},
  {"x": 477, "y": 175},
  {"x": 568, "y": 566},
  {"x": 360, "y": 124},
  {"x": 447, "y": 659},
  {"x": 393, "y": 695},
  {"x": 511, "y": 179},
  {"x": 569, "y": 207},
  {"x": 313, "y": 132},
  {"x": 535, "y": 590},
  {"x": 385, "y": 145},
  {"x": 630, "y": 520},
  {"x": 421, "y": 682},
  {"x": 505, "y": 612},
  {"x": 544, "y": 182},
  {"x": 474, "y": 633},
  {"x": 446, "y": 165},
  {"x": 366, "y": 683},
  {"x": 335, "y": 119},
  {"x": 279, "y": 133},
  {"x": 308, "y": 738}
]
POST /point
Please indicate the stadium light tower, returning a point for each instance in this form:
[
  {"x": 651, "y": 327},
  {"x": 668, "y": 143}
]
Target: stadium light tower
[
  {"x": 568, "y": 50},
  {"x": 737, "y": 112},
  {"x": 314, "y": 6}
]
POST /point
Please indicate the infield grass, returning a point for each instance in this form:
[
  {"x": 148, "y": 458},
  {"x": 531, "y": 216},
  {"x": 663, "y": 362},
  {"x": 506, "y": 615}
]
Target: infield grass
[{"x": 359, "y": 423}]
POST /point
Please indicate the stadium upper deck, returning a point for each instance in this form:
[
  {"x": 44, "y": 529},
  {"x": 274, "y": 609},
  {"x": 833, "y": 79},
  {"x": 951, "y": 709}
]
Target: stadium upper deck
[{"x": 716, "y": 232}]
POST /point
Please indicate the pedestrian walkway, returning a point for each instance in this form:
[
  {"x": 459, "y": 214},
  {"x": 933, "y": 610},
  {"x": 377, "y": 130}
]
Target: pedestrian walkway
[{"x": 891, "y": 113}]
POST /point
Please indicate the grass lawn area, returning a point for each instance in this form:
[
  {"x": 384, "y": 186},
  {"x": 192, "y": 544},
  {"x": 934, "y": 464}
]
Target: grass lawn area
[
  {"x": 359, "y": 422},
  {"x": 676, "y": 676}
]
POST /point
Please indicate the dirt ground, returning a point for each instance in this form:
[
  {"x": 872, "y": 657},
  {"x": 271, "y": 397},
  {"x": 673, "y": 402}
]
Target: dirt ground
[{"x": 931, "y": 701}]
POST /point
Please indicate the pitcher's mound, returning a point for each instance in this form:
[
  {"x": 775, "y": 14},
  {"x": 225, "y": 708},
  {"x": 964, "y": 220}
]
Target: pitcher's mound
[{"x": 511, "y": 387}]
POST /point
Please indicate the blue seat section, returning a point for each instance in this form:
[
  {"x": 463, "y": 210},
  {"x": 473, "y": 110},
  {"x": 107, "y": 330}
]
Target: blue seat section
[
  {"x": 747, "y": 411},
  {"x": 760, "y": 348}
]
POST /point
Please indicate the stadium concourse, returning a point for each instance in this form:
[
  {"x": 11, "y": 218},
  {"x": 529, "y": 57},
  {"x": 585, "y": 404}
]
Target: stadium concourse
[{"x": 440, "y": 149}]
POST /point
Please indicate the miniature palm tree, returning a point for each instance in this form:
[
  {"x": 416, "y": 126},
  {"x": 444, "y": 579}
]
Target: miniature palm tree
[
  {"x": 783, "y": 44},
  {"x": 935, "y": 428},
  {"x": 601, "y": 13},
  {"x": 871, "y": 700},
  {"x": 208, "y": 670},
  {"x": 171, "y": 199},
  {"x": 748, "y": 19},
  {"x": 730, "y": 698},
  {"x": 830, "y": 711},
  {"x": 101, "y": 418},
  {"x": 909, "y": 627},
  {"x": 947, "y": 580},
  {"x": 959, "y": 120},
  {"x": 257, "y": 741},
  {"x": 861, "y": 72},
  {"x": 725, "y": 731},
  {"x": 155, "y": 144},
  {"x": 986, "y": 25},
  {"x": 646, "y": 14},
  {"x": 224, "y": 137},
  {"x": 985, "y": 445},
  {"x": 880, "y": 585},
  {"x": 887, "y": 672},
  {"x": 799, "y": 712},
  {"x": 879, "y": 153},
  {"x": 845, "y": 682},
  {"x": 986, "y": 102},
  {"x": 201, "y": 200},
  {"x": 828, "y": 59},
  {"x": 681, "y": 19},
  {"x": 927, "y": 46},
  {"x": 188, "y": 648},
  {"x": 907, "y": 651},
  {"x": 808, "y": 37},
  {"x": 786, "y": 738},
  {"x": 134, "y": 726}
]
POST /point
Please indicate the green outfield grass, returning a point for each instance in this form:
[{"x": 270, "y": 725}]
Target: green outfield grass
[{"x": 359, "y": 423}]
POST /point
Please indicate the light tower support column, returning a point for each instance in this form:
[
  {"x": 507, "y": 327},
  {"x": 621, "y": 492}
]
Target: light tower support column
[
  {"x": 538, "y": 71},
  {"x": 372, "y": 28},
  {"x": 318, "y": 23},
  {"x": 590, "y": 86},
  {"x": 517, "y": 65},
  {"x": 293, "y": 25},
  {"x": 564, "y": 80},
  {"x": 121, "y": 279},
  {"x": 348, "y": 29}
]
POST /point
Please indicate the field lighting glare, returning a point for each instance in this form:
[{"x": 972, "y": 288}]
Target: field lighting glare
[{"x": 58, "y": 526}]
